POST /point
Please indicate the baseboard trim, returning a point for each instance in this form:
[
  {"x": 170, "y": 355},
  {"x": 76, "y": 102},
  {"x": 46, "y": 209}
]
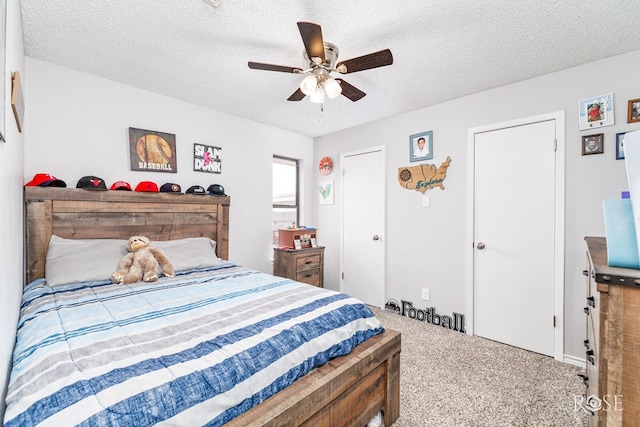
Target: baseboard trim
[{"x": 574, "y": 360}]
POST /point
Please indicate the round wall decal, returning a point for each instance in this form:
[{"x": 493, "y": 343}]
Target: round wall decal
[{"x": 325, "y": 166}]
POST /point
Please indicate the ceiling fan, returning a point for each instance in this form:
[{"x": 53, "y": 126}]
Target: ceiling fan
[{"x": 322, "y": 58}]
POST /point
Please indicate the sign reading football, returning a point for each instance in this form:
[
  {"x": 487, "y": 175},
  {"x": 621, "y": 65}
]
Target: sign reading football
[
  {"x": 152, "y": 151},
  {"x": 207, "y": 158}
]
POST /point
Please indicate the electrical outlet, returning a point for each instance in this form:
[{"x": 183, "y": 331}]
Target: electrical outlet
[
  {"x": 425, "y": 294},
  {"x": 426, "y": 202}
]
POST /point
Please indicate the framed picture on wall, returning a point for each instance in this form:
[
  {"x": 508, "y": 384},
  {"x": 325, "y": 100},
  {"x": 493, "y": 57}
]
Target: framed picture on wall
[
  {"x": 421, "y": 146},
  {"x": 593, "y": 144},
  {"x": 152, "y": 151},
  {"x": 633, "y": 113},
  {"x": 596, "y": 112},
  {"x": 620, "y": 145}
]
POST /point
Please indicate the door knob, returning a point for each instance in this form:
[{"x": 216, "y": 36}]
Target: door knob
[
  {"x": 376, "y": 237},
  {"x": 480, "y": 245}
]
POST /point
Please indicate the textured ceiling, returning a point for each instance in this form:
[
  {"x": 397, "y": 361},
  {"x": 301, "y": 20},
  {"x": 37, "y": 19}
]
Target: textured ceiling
[{"x": 197, "y": 50}]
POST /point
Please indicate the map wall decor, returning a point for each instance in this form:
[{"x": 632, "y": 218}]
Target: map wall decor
[{"x": 423, "y": 177}]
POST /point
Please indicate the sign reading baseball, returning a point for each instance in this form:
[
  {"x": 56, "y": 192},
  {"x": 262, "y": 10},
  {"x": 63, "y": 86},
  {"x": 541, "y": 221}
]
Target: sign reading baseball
[{"x": 152, "y": 151}]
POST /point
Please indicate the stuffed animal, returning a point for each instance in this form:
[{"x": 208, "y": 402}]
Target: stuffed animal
[{"x": 142, "y": 262}]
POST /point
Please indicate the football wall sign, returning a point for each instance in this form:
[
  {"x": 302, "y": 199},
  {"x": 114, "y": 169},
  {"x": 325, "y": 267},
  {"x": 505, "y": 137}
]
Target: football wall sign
[{"x": 427, "y": 315}]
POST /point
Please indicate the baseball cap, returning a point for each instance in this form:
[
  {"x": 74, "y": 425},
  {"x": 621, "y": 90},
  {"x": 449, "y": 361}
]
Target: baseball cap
[
  {"x": 147, "y": 186},
  {"x": 120, "y": 185},
  {"x": 170, "y": 187},
  {"x": 196, "y": 189},
  {"x": 45, "y": 180},
  {"x": 91, "y": 182},
  {"x": 216, "y": 190}
]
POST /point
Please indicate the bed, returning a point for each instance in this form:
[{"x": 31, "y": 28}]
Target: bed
[{"x": 343, "y": 383}]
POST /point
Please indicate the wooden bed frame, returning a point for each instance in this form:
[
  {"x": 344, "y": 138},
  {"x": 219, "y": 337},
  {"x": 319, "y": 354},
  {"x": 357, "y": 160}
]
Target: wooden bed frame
[{"x": 349, "y": 390}]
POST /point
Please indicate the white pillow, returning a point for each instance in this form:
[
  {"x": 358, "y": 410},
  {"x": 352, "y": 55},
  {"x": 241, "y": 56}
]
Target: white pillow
[{"x": 83, "y": 260}]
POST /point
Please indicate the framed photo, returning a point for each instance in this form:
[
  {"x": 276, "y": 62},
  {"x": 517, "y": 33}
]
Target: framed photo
[
  {"x": 207, "y": 158},
  {"x": 596, "y": 112},
  {"x": 152, "y": 151},
  {"x": 297, "y": 244},
  {"x": 421, "y": 146},
  {"x": 593, "y": 144},
  {"x": 620, "y": 145},
  {"x": 314, "y": 244},
  {"x": 633, "y": 114},
  {"x": 326, "y": 192}
]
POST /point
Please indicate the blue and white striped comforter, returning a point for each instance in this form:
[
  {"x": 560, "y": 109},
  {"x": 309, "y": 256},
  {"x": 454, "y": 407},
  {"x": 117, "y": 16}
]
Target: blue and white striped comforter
[{"x": 198, "y": 349}]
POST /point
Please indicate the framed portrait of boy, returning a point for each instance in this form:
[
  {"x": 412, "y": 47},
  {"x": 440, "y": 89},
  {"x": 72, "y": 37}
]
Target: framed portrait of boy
[
  {"x": 593, "y": 144},
  {"x": 421, "y": 146}
]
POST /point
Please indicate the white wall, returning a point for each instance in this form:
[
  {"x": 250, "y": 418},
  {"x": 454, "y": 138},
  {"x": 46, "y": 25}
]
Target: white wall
[
  {"x": 426, "y": 247},
  {"x": 78, "y": 125},
  {"x": 11, "y": 225}
]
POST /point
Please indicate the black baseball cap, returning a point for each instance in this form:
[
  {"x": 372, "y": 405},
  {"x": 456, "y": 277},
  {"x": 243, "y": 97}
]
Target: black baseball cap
[
  {"x": 196, "y": 189},
  {"x": 91, "y": 182},
  {"x": 216, "y": 190},
  {"x": 170, "y": 187}
]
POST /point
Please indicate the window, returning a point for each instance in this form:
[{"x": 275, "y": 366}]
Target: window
[{"x": 285, "y": 194}]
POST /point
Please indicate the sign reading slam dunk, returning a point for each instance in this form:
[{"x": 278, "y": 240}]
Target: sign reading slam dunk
[{"x": 428, "y": 315}]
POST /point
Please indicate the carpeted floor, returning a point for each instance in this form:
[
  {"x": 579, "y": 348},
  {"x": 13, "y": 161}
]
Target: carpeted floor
[{"x": 448, "y": 378}]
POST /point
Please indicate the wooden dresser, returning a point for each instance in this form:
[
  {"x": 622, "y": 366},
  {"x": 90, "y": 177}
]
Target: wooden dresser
[
  {"x": 613, "y": 340},
  {"x": 302, "y": 265}
]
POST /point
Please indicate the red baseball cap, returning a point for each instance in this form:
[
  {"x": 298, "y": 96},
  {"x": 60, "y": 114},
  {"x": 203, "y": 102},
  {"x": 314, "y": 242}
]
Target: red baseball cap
[
  {"x": 148, "y": 186},
  {"x": 45, "y": 180},
  {"x": 120, "y": 185}
]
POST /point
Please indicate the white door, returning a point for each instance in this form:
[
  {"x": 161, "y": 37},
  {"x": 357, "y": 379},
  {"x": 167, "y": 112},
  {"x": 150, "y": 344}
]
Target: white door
[
  {"x": 363, "y": 202},
  {"x": 514, "y": 236}
]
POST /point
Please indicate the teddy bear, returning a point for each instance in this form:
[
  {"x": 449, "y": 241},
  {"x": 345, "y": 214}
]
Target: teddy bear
[{"x": 142, "y": 262}]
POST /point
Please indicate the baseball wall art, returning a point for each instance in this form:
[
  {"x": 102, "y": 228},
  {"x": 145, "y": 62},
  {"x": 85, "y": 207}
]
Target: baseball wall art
[{"x": 152, "y": 151}]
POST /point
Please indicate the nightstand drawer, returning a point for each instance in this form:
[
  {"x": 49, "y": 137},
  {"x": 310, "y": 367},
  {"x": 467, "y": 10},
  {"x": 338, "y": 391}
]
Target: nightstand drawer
[
  {"x": 302, "y": 265},
  {"x": 308, "y": 262},
  {"x": 310, "y": 277}
]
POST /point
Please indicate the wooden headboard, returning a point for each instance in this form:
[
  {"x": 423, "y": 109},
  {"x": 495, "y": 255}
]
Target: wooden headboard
[{"x": 85, "y": 214}]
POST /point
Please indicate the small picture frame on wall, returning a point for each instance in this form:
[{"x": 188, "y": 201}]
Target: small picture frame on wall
[
  {"x": 596, "y": 112},
  {"x": 593, "y": 144},
  {"x": 421, "y": 146},
  {"x": 620, "y": 145},
  {"x": 633, "y": 113}
]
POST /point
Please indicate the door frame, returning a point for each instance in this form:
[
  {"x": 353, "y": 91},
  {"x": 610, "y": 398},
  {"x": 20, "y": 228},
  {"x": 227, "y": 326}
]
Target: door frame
[
  {"x": 383, "y": 195},
  {"x": 559, "y": 219}
]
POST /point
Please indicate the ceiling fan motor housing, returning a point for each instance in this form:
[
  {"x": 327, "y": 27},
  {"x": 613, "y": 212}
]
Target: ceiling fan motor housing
[{"x": 330, "y": 54}]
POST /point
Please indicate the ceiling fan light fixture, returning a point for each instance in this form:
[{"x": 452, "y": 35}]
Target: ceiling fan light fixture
[
  {"x": 332, "y": 87},
  {"x": 317, "y": 97},
  {"x": 309, "y": 84}
]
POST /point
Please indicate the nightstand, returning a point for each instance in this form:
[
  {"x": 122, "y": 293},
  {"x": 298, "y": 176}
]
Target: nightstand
[{"x": 303, "y": 265}]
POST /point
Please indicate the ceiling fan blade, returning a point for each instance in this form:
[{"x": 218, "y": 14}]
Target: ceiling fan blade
[
  {"x": 298, "y": 95},
  {"x": 366, "y": 62},
  {"x": 312, "y": 38},
  {"x": 350, "y": 91},
  {"x": 272, "y": 67}
]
